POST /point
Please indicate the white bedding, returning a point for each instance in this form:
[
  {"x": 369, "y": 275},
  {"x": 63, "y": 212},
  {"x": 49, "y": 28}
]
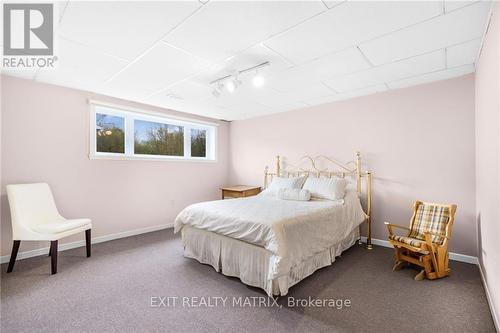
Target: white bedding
[{"x": 291, "y": 230}]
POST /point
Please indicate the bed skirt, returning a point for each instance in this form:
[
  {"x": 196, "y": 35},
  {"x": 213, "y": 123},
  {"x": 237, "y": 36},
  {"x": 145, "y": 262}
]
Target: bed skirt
[{"x": 251, "y": 263}]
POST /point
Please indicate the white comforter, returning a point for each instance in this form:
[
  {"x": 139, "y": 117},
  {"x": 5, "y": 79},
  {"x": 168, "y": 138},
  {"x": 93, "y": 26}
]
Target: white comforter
[{"x": 291, "y": 230}]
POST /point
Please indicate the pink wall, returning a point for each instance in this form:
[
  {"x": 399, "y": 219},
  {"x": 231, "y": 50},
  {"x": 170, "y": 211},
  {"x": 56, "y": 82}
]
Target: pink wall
[
  {"x": 488, "y": 157},
  {"x": 45, "y": 139},
  {"x": 418, "y": 142}
]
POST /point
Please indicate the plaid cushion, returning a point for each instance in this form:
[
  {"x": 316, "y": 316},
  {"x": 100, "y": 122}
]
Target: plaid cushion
[
  {"x": 406, "y": 240},
  {"x": 430, "y": 218}
]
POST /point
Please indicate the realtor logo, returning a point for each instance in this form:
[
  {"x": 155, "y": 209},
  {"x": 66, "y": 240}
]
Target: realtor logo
[
  {"x": 28, "y": 29},
  {"x": 28, "y": 35}
]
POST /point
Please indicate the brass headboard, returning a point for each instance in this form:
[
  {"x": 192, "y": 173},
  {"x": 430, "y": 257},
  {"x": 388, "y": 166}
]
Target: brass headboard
[{"x": 313, "y": 168}]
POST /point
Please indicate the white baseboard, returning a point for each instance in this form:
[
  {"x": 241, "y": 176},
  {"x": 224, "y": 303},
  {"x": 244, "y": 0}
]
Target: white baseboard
[
  {"x": 100, "y": 239},
  {"x": 488, "y": 297},
  {"x": 105, "y": 238},
  {"x": 453, "y": 255}
]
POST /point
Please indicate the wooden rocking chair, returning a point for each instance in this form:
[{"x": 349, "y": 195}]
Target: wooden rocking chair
[{"x": 426, "y": 243}]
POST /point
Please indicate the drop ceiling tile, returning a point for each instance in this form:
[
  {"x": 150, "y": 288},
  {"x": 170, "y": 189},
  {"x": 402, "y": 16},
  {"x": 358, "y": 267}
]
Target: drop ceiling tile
[
  {"x": 322, "y": 100},
  {"x": 187, "y": 96},
  {"x": 80, "y": 67},
  {"x": 61, "y": 8},
  {"x": 453, "y": 28},
  {"x": 349, "y": 94},
  {"x": 289, "y": 106},
  {"x": 222, "y": 28},
  {"x": 124, "y": 29},
  {"x": 332, "y": 65},
  {"x": 399, "y": 70},
  {"x": 333, "y": 3},
  {"x": 463, "y": 54},
  {"x": 256, "y": 55},
  {"x": 362, "y": 92},
  {"x": 273, "y": 99},
  {"x": 451, "y": 5},
  {"x": 349, "y": 24},
  {"x": 162, "y": 66},
  {"x": 306, "y": 90},
  {"x": 188, "y": 90},
  {"x": 188, "y": 105},
  {"x": 434, "y": 76},
  {"x": 248, "y": 110}
]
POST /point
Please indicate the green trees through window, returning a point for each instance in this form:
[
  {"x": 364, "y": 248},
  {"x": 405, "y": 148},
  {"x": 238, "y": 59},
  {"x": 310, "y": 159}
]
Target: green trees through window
[
  {"x": 110, "y": 133},
  {"x": 198, "y": 143},
  {"x": 158, "y": 139},
  {"x": 127, "y": 134}
]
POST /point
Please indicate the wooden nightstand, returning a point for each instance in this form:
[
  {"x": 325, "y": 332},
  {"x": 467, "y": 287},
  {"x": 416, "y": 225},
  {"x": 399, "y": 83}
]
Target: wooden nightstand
[{"x": 239, "y": 191}]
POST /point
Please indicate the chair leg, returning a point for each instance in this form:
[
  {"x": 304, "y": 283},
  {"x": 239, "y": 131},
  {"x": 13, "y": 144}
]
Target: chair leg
[
  {"x": 427, "y": 261},
  {"x": 87, "y": 242},
  {"x": 13, "y": 255},
  {"x": 398, "y": 265},
  {"x": 420, "y": 276},
  {"x": 53, "y": 257}
]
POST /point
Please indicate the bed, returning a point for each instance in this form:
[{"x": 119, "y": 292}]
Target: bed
[{"x": 273, "y": 244}]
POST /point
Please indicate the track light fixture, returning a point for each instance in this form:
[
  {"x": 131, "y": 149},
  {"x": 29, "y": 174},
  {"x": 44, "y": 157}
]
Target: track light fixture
[
  {"x": 218, "y": 86},
  {"x": 258, "y": 80},
  {"x": 230, "y": 86},
  {"x": 232, "y": 82}
]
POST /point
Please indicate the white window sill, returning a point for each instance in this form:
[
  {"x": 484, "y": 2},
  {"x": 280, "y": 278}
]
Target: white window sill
[{"x": 111, "y": 156}]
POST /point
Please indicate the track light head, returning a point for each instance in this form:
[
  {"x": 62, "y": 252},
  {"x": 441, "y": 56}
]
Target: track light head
[
  {"x": 231, "y": 86},
  {"x": 218, "y": 87},
  {"x": 258, "y": 80},
  {"x": 233, "y": 82}
]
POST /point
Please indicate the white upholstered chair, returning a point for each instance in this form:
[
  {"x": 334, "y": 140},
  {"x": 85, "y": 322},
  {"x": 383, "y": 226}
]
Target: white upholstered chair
[{"x": 35, "y": 218}]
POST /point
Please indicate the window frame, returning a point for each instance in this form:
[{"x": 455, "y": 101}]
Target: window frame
[{"x": 131, "y": 114}]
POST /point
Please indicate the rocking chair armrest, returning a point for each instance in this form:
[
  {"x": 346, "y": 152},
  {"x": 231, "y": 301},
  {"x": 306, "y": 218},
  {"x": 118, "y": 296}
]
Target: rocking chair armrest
[{"x": 390, "y": 225}]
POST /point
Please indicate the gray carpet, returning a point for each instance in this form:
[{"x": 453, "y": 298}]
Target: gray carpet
[{"x": 111, "y": 292}]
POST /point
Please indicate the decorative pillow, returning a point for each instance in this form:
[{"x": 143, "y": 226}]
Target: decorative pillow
[
  {"x": 326, "y": 188},
  {"x": 296, "y": 194},
  {"x": 283, "y": 182}
]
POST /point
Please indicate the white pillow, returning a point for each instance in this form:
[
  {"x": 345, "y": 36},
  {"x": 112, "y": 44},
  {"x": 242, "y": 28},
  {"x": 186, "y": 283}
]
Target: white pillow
[
  {"x": 283, "y": 182},
  {"x": 296, "y": 194},
  {"x": 326, "y": 188},
  {"x": 351, "y": 187}
]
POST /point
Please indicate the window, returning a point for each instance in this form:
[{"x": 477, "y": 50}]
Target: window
[
  {"x": 121, "y": 133},
  {"x": 198, "y": 142},
  {"x": 158, "y": 139},
  {"x": 110, "y": 133}
]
